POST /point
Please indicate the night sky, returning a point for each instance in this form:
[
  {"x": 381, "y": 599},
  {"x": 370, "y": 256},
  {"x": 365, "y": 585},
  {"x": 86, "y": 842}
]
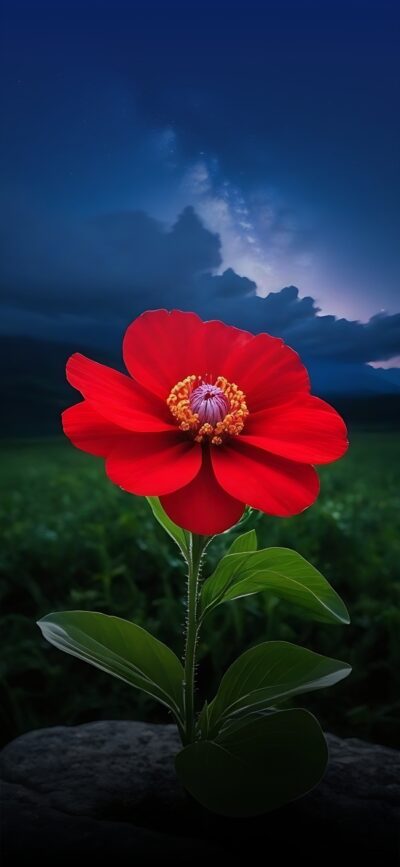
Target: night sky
[{"x": 203, "y": 155}]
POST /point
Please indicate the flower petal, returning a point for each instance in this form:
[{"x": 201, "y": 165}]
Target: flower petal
[
  {"x": 162, "y": 347},
  {"x": 117, "y": 397},
  {"x": 309, "y": 431},
  {"x": 264, "y": 481},
  {"x": 153, "y": 464},
  {"x": 268, "y": 371},
  {"x": 203, "y": 507},
  {"x": 90, "y": 431}
]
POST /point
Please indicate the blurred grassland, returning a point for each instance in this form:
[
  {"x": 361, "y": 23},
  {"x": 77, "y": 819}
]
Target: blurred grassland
[{"x": 71, "y": 539}]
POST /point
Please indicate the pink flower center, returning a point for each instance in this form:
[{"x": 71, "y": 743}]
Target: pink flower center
[{"x": 210, "y": 403}]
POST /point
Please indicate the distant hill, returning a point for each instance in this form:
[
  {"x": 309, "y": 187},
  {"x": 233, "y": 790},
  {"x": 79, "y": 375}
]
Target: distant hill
[
  {"x": 34, "y": 391},
  {"x": 33, "y": 387}
]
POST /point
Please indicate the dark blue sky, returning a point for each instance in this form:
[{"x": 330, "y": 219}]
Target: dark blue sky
[{"x": 277, "y": 123}]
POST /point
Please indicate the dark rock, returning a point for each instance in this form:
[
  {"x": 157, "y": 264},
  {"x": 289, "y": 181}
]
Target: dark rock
[{"x": 108, "y": 789}]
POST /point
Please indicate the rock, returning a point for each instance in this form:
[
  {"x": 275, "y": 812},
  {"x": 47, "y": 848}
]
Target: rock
[{"x": 109, "y": 789}]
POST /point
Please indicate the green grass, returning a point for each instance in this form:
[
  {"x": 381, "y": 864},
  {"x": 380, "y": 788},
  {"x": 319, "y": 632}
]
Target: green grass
[{"x": 70, "y": 539}]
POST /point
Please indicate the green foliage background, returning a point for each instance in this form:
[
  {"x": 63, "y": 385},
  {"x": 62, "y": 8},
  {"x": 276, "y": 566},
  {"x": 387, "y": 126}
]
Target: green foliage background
[{"x": 70, "y": 539}]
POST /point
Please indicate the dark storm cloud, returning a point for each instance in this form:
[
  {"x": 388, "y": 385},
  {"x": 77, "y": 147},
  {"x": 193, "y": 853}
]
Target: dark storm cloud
[
  {"x": 296, "y": 319},
  {"x": 101, "y": 273},
  {"x": 343, "y": 339},
  {"x": 285, "y": 314},
  {"x": 113, "y": 264},
  {"x": 227, "y": 285}
]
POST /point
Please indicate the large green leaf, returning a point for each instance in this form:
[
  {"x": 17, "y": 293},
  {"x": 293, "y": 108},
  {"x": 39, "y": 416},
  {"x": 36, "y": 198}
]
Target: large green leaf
[
  {"x": 122, "y": 649},
  {"x": 270, "y": 673},
  {"x": 180, "y": 536},
  {"x": 245, "y": 542},
  {"x": 258, "y": 766},
  {"x": 279, "y": 570}
]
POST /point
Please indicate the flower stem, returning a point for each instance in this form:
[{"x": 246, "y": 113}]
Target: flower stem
[{"x": 197, "y": 546}]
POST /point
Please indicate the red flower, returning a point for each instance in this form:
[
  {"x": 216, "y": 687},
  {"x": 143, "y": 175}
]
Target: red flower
[{"x": 210, "y": 419}]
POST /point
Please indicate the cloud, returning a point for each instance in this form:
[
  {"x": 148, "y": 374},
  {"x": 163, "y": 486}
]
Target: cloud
[
  {"x": 298, "y": 321},
  {"x": 112, "y": 264},
  {"x": 226, "y": 285},
  {"x": 348, "y": 340},
  {"x": 92, "y": 277}
]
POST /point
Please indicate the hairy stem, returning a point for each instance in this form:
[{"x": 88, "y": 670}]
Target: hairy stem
[{"x": 197, "y": 546}]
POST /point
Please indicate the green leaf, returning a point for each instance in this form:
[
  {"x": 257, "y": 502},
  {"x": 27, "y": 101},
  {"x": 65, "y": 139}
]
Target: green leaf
[
  {"x": 270, "y": 673},
  {"x": 180, "y": 536},
  {"x": 245, "y": 542},
  {"x": 257, "y": 767},
  {"x": 282, "y": 572},
  {"x": 120, "y": 648}
]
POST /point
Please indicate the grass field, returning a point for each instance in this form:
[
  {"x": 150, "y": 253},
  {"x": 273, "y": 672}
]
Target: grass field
[{"x": 70, "y": 539}]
